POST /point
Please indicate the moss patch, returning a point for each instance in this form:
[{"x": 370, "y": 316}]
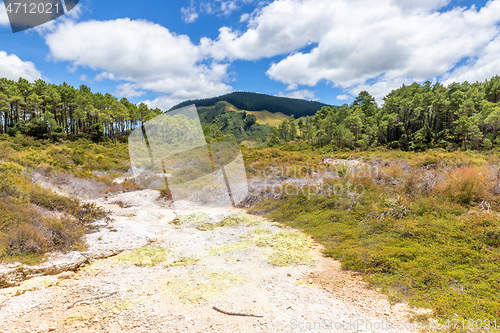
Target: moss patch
[
  {"x": 193, "y": 219},
  {"x": 230, "y": 248},
  {"x": 262, "y": 231},
  {"x": 184, "y": 261},
  {"x": 75, "y": 318},
  {"x": 199, "y": 288},
  {"x": 239, "y": 219},
  {"x": 288, "y": 248},
  {"x": 206, "y": 226},
  {"x": 145, "y": 256}
]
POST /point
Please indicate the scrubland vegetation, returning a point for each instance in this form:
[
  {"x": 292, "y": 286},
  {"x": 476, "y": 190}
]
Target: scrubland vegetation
[
  {"x": 425, "y": 227},
  {"x": 34, "y": 220}
]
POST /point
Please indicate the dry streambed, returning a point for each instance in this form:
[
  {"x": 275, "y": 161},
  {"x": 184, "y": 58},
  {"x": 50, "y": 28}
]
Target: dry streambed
[{"x": 193, "y": 269}]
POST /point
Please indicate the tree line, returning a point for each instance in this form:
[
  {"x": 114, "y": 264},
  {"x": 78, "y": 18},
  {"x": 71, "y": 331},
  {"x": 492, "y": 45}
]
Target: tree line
[
  {"x": 413, "y": 117},
  {"x": 42, "y": 110}
]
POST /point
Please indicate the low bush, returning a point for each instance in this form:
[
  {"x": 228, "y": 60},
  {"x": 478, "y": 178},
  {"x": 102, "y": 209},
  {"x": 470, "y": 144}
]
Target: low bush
[
  {"x": 466, "y": 185},
  {"x": 27, "y": 228},
  {"x": 27, "y": 232}
]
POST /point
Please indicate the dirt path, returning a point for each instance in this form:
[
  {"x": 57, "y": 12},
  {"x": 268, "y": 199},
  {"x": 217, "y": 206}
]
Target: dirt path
[{"x": 175, "y": 271}]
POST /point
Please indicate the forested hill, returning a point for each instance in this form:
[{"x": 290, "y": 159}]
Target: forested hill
[{"x": 259, "y": 102}]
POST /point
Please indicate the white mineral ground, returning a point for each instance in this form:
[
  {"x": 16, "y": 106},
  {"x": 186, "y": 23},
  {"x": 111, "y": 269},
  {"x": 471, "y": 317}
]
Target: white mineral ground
[{"x": 198, "y": 270}]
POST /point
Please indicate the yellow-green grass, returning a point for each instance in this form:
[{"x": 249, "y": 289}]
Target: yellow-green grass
[
  {"x": 81, "y": 157},
  {"x": 266, "y": 117}
]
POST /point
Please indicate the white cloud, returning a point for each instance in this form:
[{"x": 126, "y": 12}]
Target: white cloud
[
  {"x": 382, "y": 87},
  {"x": 71, "y": 16},
  {"x": 189, "y": 14},
  {"x": 4, "y": 18},
  {"x": 300, "y": 94},
  {"x": 356, "y": 44},
  {"x": 145, "y": 55},
  {"x": 343, "y": 97},
  {"x": 211, "y": 7},
  {"x": 128, "y": 90},
  {"x": 163, "y": 102},
  {"x": 420, "y": 5},
  {"x": 484, "y": 67},
  {"x": 281, "y": 27},
  {"x": 12, "y": 67},
  {"x": 227, "y": 7},
  {"x": 396, "y": 46},
  {"x": 104, "y": 76}
]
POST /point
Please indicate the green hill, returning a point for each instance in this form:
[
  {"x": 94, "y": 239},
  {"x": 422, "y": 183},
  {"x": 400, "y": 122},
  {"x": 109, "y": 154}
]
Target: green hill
[
  {"x": 259, "y": 102},
  {"x": 241, "y": 124}
]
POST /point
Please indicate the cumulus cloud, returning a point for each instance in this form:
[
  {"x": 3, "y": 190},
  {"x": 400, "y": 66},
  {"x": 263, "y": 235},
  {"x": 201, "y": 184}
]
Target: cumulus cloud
[
  {"x": 104, "y": 76},
  {"x": 344, "y": 97},
  {"x": 483, "y": 67},
  {"x": 300, "y": 94},
  {"x": 12, "y": 67},
  {"x": 356, "y": 44},
  {"x": 420, "y": 5},
  {"x": 128, "y": 90},
  {"x": 163, "y": 102},
  {"x": 145, "y": 55},
  {"x": 71, "y": 16},
  {"x": 382, "y": 87},
  {"x": 281, "y": 27}
]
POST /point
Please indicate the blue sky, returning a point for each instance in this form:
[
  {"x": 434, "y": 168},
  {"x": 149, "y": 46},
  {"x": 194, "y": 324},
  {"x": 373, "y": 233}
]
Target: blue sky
[{"x": 164, "y": 52}]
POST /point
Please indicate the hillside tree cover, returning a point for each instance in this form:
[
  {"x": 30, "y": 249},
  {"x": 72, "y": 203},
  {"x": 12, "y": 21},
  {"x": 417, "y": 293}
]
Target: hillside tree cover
[
  {"x": 414, "y": 117},
  {"x": 41, "y": 109},
  {"x": 259, "y": 102}
]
